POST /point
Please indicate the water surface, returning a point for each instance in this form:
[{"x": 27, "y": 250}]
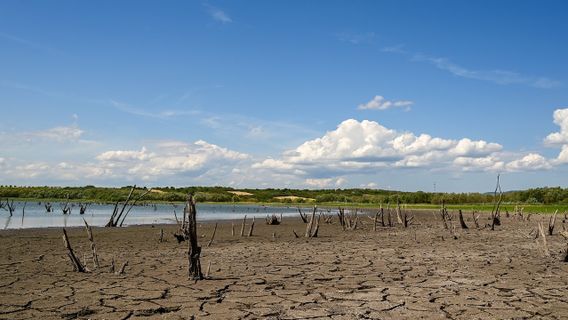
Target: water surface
[{"x": 36, "y": 216}]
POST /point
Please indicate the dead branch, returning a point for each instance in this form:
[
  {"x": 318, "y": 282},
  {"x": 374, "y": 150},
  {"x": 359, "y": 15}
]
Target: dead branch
[
  {"x": 310, "y": 225},
  {"x": 444, "y": 215},
  {"x": 341, "y": 217},
  {"x": 8, "y": 206},
  {"x": 375, "y": 220},
  {"x": 316, "y": 228},
  {"x": 303, "y": 215},
  {"x": 83, "y": 208},
  {"x": 77, "y": 265},
  {"x": 551, "y": 223},
  {"x": 212, "y": 236},
  {"x": 95, "y": 257},
  {"x": 389, "y": 216},
  {"x": 66, "y": 208},
  {"x": 251, "y": 227},
  {"x": 398, "y": 212},
  {"x": 475, "y": 219},
  {"x": 123, "y": 268},
  {"x": 115, "y": 217},
  {"x": 208, "y": 270},
  {"x": 495, "y": 212},
  {"x": 134, "y": 203},
  {"x": 544, "y": 243},
  {"x": 243, "y": 226}
]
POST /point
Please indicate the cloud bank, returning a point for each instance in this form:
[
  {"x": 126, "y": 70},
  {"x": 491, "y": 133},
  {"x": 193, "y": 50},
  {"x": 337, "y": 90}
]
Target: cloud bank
[{"x": 353, "y": 148}]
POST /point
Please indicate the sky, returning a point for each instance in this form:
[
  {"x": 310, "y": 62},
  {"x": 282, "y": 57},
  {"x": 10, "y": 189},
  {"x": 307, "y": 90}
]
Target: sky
[{"x": 400, "y": 95}]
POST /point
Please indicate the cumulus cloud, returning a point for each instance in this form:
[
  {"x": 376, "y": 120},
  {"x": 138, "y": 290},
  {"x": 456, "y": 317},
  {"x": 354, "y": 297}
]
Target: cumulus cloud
[
  {"x": 531, "y": 161},
  {"x": 380, "y": 103},
  {"x": 128, "y": 155},
  {"x": 171, "y": 157},
  {"x": 365, "y": 146},
  {"x": 488, "y": 163},
  {"x": 563, "y": 156},
  {"x": 559, "y": 138}
]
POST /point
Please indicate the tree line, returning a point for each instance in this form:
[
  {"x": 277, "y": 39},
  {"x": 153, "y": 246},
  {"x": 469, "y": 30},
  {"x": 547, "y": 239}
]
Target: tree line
[{"x": 545, "y": 195}]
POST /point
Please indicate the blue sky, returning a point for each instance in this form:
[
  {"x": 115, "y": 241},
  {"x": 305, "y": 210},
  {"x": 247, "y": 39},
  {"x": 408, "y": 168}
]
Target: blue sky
[{"x": 381, "y": 94}]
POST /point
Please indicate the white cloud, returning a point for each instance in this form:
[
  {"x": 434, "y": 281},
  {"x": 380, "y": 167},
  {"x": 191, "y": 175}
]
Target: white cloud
[
  {"x": 323, "y": 183},
  {"x": 366, "y": 146},
  {"x": 59, "y": 134},
  {"x": 559, "y": 138},
  {"x": 467, "y": 148},
  {"x": 218, "y": 14},
  {"x": 489, "y": 163},
  {"x": 498, "y": 76},
  {"x": 319, "y": 183},
  {"x": 169, "y": 159},
  {"x": 124, "y": 156},
  {"x": 503, "y": 77},
  {"x": 563, "y": 156},
  {"x": 380, "y": 103},
  {"x": 370, "y": 185},
  {"x": 531, "y": 161}
]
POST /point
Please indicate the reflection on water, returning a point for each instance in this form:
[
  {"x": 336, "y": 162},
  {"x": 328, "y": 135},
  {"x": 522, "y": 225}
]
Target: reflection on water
[{"x": 35, "y": 214}]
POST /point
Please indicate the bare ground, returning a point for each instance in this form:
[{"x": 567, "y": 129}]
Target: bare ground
[{"x": 394, "y": 273}]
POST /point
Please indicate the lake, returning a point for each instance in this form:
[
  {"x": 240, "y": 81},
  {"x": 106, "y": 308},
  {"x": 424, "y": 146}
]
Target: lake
[{"x": 98, "y": 214}]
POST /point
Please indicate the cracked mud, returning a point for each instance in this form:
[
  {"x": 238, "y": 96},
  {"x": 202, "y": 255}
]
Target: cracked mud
[{"x": 393, "y": 273}]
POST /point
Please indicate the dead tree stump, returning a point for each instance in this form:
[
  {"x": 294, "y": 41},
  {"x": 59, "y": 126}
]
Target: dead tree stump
[
  {"x": 462, "y": 221},
  {"x": 194, "y": 250}
]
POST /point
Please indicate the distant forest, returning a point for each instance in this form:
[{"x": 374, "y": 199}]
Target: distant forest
[{"x": 547, "y": 195}]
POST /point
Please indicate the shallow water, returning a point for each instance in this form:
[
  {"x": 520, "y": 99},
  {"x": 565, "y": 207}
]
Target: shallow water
[{"x": 35, "y": 215}]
